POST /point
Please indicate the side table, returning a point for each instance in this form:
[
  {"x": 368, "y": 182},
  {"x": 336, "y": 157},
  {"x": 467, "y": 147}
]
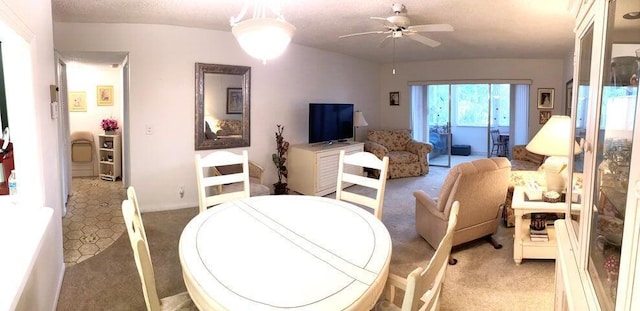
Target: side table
[{"x": 523, "y": 247}]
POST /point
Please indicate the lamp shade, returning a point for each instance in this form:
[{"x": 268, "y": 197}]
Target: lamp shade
[
  {"x": 263, "y": 38},
  {"x": 358, "y": 119},
  {"x": 554, "y": 138}
]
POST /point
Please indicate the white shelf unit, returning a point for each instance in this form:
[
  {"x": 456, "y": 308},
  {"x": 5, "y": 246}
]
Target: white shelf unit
[
  {"x": 313, "y": 168},
  {"x": 110, "y": 156}
]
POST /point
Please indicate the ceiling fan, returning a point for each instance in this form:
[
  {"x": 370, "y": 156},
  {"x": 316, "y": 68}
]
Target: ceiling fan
[{"x": 399, "y": 26}]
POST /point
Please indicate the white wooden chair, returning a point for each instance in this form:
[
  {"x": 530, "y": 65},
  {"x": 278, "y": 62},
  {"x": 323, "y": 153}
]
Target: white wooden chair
[
  {"x": 256, "y": 186},
  {"x": 423, "y": 285},
  {"x": 140, "y": 246},
  {"x": 365, "y": 160},
  {"x": 205, "y": 183},
  {"x": 131, "y": 195}
]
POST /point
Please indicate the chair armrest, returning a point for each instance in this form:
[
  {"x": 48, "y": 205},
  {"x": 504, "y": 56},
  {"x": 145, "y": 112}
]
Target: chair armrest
[
  {"x": 429, "y": 204},
  {"x": 256, "y": 171},
  {"x": 379, "y": 150},
  {"x": 519, "y": 152},
  {"x": 418, "y": 147},
  {"x": 421, "y": 149}
]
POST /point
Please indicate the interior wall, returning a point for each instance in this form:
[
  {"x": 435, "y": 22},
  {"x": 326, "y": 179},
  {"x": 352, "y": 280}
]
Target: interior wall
[
  {"x": 544, "y": 73},
  {"x": 162, "y": 96},
  {"x": 86, "y": 78},
  {"x": 35, "y": 134}
]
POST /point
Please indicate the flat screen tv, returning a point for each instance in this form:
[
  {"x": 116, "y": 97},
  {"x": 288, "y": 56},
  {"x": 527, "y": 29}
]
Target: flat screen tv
[{"x": 330, "y": 122}]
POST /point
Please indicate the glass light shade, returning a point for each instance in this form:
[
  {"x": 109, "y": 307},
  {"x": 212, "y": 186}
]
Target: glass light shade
[{"x": 263, "y": 38}]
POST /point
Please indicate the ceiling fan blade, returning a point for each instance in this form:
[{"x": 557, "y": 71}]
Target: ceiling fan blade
[
  {"x": 384, "y": 42},
  {"x": 431, "y": 28},
  {"x": 422, "y": 39},
  {"x": 362, "y": 33},
  {"x": 384, "y": 21}
]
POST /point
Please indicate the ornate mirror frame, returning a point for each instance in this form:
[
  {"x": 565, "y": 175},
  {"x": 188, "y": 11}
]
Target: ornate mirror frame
[{"x": 201, "y": 141}]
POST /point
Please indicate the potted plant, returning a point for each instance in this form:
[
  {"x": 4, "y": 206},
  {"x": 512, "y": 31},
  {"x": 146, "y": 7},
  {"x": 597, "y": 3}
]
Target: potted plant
[
  {"x": 279, "y": 160},
  {"x": 109, "y": 126}
]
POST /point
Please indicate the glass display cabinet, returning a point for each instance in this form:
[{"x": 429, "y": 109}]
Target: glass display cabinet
[{"x": 599, "y": 246}]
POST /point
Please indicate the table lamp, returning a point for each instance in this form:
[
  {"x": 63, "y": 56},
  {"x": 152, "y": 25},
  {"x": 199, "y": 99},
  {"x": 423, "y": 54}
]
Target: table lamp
[
  {"x": 358, "y": 121},
  {"x": 554, "y": 140}
]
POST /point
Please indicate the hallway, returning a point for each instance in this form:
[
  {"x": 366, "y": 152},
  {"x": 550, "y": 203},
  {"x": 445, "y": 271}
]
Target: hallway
[{"x": 94, "y": 218}]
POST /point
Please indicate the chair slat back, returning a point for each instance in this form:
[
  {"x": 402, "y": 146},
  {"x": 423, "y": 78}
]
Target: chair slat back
[
  {"x": 140, "y": 247},
  {"x": 364, "y": 160},
  {"x": 425, "y": 284},
  {"x": 209, "y": 162},
  {"x": 495, "y": 137},
  {"x": 133, "y": 197}
]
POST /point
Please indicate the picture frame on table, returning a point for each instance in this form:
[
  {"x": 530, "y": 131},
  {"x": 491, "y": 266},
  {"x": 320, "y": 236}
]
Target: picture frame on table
[
  {"x": 104, "y": 94},
  {"x": 77, "y": 101},
  {"x": 569, "y": 97},
  {"x": 394, "y": 98},
  {"x": 545, "y": 98},
  {"x": 234, "y": 100}
]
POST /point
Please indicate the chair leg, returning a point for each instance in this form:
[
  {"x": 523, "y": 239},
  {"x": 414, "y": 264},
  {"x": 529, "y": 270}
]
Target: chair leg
[
  {"x": 452, "y": 261},
  {"x": 493, "y": 242}
]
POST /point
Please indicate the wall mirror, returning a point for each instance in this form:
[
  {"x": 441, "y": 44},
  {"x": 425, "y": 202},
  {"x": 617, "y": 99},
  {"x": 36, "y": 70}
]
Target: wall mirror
[{"x": 223, "y": 97}]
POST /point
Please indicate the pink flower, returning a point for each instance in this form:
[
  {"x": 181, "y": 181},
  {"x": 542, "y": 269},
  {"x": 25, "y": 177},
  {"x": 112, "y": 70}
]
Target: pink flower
[{"x": 109, "y": 124}]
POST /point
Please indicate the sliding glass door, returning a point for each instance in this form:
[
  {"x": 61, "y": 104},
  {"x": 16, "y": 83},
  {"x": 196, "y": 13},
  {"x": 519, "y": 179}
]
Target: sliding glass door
[
  {"x": 461, "y": 115},
  {"x": 439, "y": 124}
]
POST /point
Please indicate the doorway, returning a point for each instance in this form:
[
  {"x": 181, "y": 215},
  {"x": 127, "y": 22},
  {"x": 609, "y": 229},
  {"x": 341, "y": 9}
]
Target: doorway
[
  {"x": 92, "y": 202},
  {"x": 457, "y": 118}
]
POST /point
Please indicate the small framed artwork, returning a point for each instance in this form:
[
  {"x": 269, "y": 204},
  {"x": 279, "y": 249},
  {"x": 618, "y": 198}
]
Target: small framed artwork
[
  {"x": 394, "y": 98},
  {"x": 105, "y": 95},
  {"x": 545, "y": 115},
  {"x": 234, "y": 100},
  {"x": 569, "y": 97},
  {"x": 77, "y": 101},
  {"x": 545, "y": 98}
]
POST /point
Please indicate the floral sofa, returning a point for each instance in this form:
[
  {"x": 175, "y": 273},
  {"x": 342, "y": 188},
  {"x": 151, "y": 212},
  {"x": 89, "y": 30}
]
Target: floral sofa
[
  {"x": 407, "y": 157},
  {"x": 525, "y": 166},
  {"x": 229, "y": 128}
]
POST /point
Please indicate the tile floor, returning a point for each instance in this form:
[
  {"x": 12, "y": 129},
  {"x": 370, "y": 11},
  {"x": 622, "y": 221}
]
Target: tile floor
[{"x": 94, "y": 218}]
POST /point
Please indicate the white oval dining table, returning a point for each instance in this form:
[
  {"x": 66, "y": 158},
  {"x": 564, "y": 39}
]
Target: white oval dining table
[{"x": 289, "y": 252}]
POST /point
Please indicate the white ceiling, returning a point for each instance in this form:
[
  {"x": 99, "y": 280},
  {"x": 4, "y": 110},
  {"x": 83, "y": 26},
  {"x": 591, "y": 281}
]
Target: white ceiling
[{"x": 483, "y": 28}]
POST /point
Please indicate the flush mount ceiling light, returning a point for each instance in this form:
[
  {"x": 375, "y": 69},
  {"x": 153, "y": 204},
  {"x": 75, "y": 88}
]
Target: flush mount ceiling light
[{"x": 262, "y": 37}]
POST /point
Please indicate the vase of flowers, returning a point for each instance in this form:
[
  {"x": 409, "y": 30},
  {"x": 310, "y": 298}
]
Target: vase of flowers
[
  {"x": 109, "y": 126},
  {"x": 279, "y": 160}
]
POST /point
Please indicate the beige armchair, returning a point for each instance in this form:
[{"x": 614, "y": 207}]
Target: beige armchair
[
  {"x": 480, "y": 186},
  {"x": 407, "y": 157}
]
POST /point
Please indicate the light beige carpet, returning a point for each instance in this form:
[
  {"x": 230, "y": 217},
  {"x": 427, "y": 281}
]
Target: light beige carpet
[{"x": 483, "y": 279}]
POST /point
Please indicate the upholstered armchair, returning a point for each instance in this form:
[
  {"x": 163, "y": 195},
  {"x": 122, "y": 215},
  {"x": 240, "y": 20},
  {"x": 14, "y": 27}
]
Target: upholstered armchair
[
  {"x": 407, "y": 157},
  {"x": 480, "y": 186}
]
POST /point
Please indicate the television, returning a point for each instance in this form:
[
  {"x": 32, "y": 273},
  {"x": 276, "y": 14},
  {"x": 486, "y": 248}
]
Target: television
[{"x": 330, "y": 122}]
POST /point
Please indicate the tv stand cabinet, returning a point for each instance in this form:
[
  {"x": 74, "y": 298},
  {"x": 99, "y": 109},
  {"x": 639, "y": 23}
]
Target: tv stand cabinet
[{"x": 313, "y": 168}]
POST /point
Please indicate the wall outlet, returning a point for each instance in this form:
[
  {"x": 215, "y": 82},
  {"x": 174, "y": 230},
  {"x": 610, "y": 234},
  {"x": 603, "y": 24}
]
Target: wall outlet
[
  {"x": 181, "y": 191},
  {"x": 148, "y": 129}
]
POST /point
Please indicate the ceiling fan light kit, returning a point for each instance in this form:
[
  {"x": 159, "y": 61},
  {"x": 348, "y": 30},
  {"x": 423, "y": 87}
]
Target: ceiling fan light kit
[{"x": 262, "y": 37}]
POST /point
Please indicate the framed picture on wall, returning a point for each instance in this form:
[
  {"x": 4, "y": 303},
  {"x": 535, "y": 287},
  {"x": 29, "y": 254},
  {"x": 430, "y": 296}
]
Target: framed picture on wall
[
  {"x": 234, "y": 100},
  {"x": 545, "y": 98},
  {"x": 569, "y": 96},
  {"x": 545, "y": 115},
  {"x": 394, "y": 98},
  {"x": 104, "y": 95},
  {"x": 77, "y": 101}
]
